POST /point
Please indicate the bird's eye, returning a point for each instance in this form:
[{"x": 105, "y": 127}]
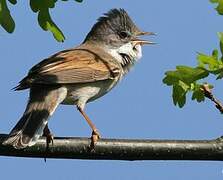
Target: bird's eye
[{"x": 123, "y": 34}]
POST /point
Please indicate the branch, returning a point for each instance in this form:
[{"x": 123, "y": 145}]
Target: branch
[
  {"x": 121, "y": 149},
  {"x": 208, "y": 94}
]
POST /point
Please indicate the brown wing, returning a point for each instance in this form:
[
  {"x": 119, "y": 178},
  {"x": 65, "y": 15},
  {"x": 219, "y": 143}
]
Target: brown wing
[{"x": 71, "y": 66}]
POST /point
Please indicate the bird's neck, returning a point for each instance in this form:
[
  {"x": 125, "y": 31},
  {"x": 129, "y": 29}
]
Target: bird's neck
[{"x": 126, "y": 55}]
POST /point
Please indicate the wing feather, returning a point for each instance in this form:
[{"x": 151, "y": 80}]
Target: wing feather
[{"x": 71, "y": 66}]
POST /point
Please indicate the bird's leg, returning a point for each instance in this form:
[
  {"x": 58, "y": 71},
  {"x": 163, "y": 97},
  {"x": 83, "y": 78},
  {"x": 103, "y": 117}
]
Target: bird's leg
[
  {"x": 49, "y": 138},
  {"x": 95, "y": 134},
  {"x": 48, "y": 135}
]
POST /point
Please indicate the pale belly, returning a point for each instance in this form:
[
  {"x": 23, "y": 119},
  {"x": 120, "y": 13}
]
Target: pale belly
[{"x": 87, "y": 91}]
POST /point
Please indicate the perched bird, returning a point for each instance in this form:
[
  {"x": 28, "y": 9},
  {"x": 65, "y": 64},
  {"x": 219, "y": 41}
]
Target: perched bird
[{"x": 78, "y": 75}]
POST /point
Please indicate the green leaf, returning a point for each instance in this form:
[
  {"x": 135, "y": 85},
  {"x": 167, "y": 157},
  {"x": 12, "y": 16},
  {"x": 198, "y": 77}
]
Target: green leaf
[
  {"x": 37, "y": 5},
  {"x": 183, "y": 80},
  {"x": 179, "y": 96},
  {"x": 214, "y": 1},
  {"x": 211, "y": 63},
  {"x": 6, "y": 19},
  {"x": 220, "y": 75},
  {"x": 48, "y": 3},
  {"x": 215, "y": 54},
  {"x": 220, "y": 35},
  {"x": 44, "y": 19},
  {"x": 219, "y": 7},
  {"x": 198, "y": 94},
  {"x": 184, "y": 86},
  {"x": 189, "y": 74},
  {"x": 79, "y": 1},
  {"x": 34, "y": 4},
  {"x": 46, "y": 24},
  {"x": 13, "y": 1},
  {"x": 186, "y": 74}
]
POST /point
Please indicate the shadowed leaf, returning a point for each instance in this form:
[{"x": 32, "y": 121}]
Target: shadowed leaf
[
  {"x": 179, "y": 96},
  {"x": 219, "y": 7},
  {"x": 198, "y": 94},
  {"x": 6, "y": 19},
  {"x": 34, "y": 5},
  {"x": 13, "y": 1},
  {"x": 220, "y": 76},
  {"x": 220, "y": 35}
]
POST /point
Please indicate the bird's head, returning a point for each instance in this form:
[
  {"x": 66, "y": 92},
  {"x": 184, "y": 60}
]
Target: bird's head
[{"x": 116, "y": 32}]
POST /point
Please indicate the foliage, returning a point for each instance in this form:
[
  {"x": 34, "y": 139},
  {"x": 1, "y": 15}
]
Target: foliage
[
  {"x": 42, "y": 8},
  {"x": 6, "y": 19},
  {"x": 187, "y": 79},
  {"x": 219, "y": 7}
]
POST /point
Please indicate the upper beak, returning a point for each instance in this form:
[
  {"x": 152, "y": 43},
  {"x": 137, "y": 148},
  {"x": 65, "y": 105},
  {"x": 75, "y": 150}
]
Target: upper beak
[
  {"x": 141, "y": 41},
  {"x": 145, "y": 33}
]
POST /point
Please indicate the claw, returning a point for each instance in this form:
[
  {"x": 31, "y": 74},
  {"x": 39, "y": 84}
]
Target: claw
[
  {"x": 94, "y": 138},
  {"x": 49, "y": 139}
]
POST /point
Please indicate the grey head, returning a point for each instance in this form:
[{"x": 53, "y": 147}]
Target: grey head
[
  {"x": 118, "y": 35},
  {"x": 115, "y": 28}
]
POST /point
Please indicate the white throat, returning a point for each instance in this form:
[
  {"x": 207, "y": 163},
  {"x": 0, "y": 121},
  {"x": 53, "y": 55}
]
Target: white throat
[{"x": 134, "y": 52}]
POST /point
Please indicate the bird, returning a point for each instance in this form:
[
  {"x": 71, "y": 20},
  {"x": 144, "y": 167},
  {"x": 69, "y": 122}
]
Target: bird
[{"x": 78, "y": 75}]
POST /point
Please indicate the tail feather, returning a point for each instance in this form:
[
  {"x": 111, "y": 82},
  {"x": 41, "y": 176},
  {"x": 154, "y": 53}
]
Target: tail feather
[{"x": 43, "y": 102}]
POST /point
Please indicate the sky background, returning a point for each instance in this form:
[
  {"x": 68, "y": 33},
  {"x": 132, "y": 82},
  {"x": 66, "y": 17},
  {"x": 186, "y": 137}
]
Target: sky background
[{"x": 139, "y": 107}]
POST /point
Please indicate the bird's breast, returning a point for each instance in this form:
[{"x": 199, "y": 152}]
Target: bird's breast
[{"x": 88, "y": 91}]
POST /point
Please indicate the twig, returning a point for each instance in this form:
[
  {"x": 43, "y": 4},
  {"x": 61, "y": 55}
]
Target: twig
[
  {"x": 208, "y": 94},
  {"x": 121, "y": 149}
]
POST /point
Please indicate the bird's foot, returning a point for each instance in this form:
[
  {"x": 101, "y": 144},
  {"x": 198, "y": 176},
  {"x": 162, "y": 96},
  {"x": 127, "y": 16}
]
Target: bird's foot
[
  {"x": 49, "y": 136},
  {"x": 94, "y": 138},
  {"x": 49, "y": 139}
]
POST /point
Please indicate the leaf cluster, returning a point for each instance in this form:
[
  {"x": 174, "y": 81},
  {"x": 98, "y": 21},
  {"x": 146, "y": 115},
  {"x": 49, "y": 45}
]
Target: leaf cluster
[
  {"x": 42, "y": 8},
  {"x": 187, "y": 79}
]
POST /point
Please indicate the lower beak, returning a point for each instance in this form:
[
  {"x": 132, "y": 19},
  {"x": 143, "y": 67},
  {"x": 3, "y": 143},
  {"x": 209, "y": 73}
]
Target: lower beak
[{"x": 141, "y": 42}]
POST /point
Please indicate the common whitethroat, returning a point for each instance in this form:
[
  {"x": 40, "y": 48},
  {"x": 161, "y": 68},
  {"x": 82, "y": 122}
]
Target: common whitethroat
[{"x": 78, "y": 75}]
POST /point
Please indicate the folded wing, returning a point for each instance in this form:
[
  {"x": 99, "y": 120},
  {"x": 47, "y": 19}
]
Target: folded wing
[{"x": 70, "y": 67}]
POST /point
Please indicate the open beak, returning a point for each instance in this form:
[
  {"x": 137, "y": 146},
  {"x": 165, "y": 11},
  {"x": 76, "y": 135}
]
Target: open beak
[{"x": 136, "y": 40}]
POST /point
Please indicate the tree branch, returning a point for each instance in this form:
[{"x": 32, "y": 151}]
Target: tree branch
[
  {"x": 208, "y": 94},
  {"x": 121, "y": 149}
]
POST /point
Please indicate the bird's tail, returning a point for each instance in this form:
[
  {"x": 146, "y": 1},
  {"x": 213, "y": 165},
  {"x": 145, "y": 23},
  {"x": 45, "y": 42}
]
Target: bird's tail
[{"x": 42, "y": 103}]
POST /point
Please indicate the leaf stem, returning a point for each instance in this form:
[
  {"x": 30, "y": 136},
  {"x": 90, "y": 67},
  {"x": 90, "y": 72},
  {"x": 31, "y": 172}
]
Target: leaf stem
[{"x": 208, "y": 94}]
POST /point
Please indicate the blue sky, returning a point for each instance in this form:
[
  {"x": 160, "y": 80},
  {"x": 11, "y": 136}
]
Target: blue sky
[{"x": 139, "y": 107}]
